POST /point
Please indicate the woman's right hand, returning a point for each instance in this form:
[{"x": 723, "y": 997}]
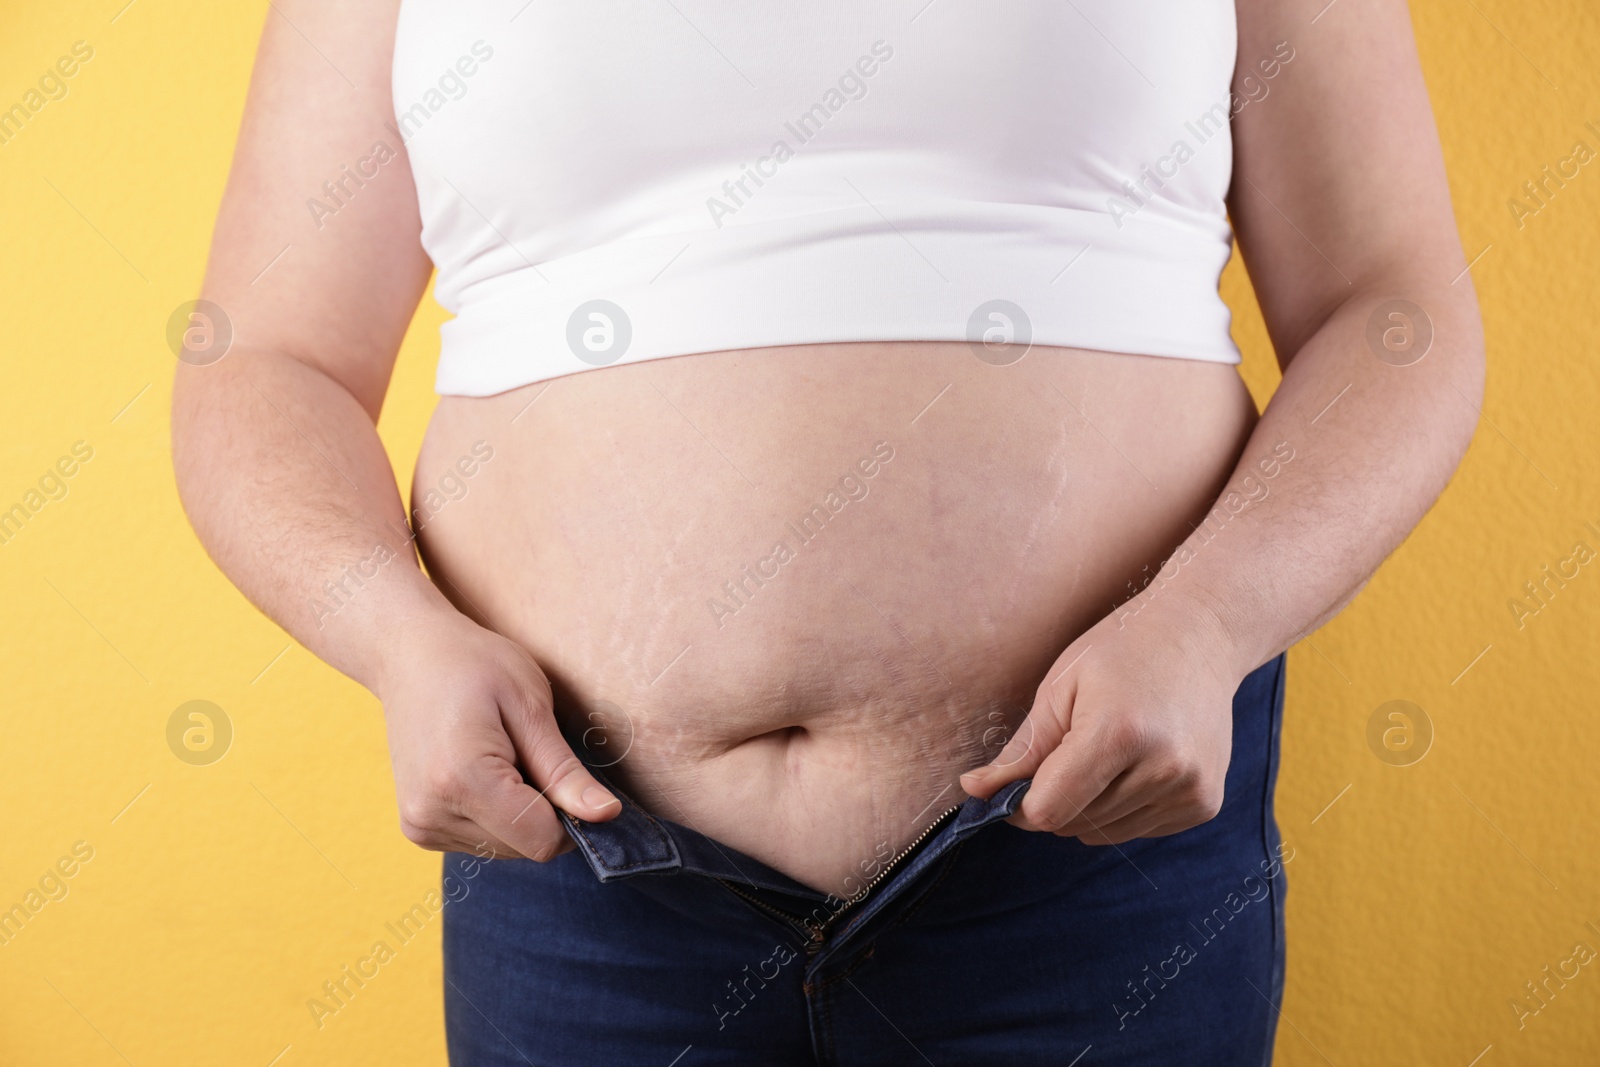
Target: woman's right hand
[
  {"x": 274, "y": 427},
  {"x": 468, "y": 713}
]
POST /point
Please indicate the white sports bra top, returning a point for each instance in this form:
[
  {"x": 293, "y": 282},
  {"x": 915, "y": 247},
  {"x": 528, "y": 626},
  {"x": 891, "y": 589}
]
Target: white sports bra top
[{"x": 609, "y": 181}]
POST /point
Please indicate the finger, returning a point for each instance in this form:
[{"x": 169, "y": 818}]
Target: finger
[
  {"x": 1041, "y": 731},
  {"x": 1156, "y": 820},
  {"x": 487, "y": 849},
  {"x": 465, "y": 836},
  {"x": 510, "y": 810},
  {"x": 1087, "y": 822},
  {"x": 484, "y": 847},
  {"x": 439, "y": 830},
  {"x": 1145, "y": 822},
  {"x": 1074, "y": 775},
  {"x": 1020, "y": 821},
  {"x": 1144, "y": 785},
  {"x": 557, "y": 773}
]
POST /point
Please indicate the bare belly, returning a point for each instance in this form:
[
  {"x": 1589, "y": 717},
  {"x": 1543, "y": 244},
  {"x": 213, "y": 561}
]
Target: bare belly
[{"x": 794, "y": 593}]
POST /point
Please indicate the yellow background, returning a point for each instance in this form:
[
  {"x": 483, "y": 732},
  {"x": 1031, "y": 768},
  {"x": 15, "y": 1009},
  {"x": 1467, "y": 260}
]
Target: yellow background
[{"x": 220, "y": 898}]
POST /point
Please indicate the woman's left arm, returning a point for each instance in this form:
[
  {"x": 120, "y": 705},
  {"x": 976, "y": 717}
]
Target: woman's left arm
[{"x": 1342, "y": 212}]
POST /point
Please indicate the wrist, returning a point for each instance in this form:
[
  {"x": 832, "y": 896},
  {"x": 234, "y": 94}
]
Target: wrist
[
  {"x": 1196, "y": 623},
  {"x": 404, "y": 632}
]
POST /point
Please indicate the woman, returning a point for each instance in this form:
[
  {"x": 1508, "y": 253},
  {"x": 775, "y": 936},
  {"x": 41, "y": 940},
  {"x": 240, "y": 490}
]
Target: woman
[{"x": 857, "y": 576}]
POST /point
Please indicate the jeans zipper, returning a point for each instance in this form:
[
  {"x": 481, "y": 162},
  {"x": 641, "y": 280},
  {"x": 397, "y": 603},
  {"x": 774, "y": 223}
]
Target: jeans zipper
[
  {"x": 817, "y": 933},
  {"x": 812, "y": 935},
  {"x": 890, "y": 866}
]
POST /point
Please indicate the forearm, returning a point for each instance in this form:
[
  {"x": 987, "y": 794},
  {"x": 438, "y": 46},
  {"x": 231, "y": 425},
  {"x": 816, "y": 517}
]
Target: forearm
[
  {"x": 289, "y": 489},
  {"x": 1348, "y": 456}
]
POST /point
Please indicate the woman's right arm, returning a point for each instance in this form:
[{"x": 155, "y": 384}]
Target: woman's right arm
[{"x": 277, "y": 455}]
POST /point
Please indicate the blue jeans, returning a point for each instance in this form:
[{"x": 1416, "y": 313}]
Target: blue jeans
[{"x": 653, "y": 944}]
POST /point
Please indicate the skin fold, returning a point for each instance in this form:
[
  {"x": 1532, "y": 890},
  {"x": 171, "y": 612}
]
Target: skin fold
[{"x": 1062, "y": 571}]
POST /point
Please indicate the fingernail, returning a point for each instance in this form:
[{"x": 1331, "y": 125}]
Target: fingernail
[{"x": 599, "y": 799}]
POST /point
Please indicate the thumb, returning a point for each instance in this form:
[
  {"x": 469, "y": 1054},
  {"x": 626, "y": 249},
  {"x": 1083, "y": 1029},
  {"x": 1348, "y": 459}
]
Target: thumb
[
  {"x": 549, "y": 761},
  {"x": 1039, "y": 734}
]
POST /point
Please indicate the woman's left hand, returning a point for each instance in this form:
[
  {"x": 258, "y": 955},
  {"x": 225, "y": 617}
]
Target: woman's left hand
[{"x": 1131, "y": 731}]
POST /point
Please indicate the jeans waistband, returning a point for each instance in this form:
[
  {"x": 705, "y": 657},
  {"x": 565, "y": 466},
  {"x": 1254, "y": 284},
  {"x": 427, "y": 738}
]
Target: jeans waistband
[{"x": 636, "y": 842}]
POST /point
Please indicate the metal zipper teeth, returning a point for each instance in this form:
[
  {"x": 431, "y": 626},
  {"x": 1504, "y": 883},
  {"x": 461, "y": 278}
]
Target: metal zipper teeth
[
  {"x": 815, "y": 935},
  {"x": 884, "y": 873},
  {"x": 818, "y": 933}
]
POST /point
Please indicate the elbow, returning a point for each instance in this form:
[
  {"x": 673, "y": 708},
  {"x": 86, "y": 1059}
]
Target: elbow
[
  {"x": 189, "y": 432},
  {"x": 196, "y": 396},
  {"x": 1431, "y": 363},
  {"x": 1466, "y": 355},
  {"x": 209, "y": 415},
  {"x": 1459, "y": 372},
  {"x": 1431, "y": 340}
]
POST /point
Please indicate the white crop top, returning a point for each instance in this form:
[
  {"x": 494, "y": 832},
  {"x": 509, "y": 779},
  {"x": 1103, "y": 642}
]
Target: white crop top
[{"x": 608, "y": 181}]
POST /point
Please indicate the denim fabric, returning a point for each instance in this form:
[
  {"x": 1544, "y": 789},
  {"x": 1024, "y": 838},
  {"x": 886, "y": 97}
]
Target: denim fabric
[{"x": 653, "y": 944}]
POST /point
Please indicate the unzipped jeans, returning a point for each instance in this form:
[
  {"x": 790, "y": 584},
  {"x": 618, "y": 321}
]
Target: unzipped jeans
[{"x": 652, "y": 944}]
